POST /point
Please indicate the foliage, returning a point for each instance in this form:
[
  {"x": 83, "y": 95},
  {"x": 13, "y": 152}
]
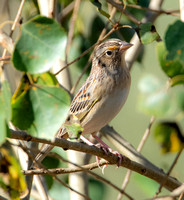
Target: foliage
[
  {"x": 40, "y": 105},
  {"x": 12, "y": 179},
  {"x": 44, "y": 39},
  {"x": 5, "y": 108}
]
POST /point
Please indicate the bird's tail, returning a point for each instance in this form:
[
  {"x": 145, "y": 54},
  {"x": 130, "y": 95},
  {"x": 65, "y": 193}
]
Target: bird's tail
[{"x": 46, "y": 148}]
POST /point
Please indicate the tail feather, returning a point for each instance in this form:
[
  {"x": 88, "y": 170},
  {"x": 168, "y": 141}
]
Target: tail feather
[{"x": 46, "y": 148}]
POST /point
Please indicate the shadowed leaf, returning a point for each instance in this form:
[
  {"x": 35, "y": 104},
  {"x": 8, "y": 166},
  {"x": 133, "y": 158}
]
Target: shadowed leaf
[
  {"x": 169, "y": 135},
  {"x": 147, "y": 33},
  {"x": 99, "y": 6},
  {"x": 12, "y": 180},
  {"x": 171, "y": 67},
  {"x": 40, "y": 109},
  {"x": 41, "y": 43},
  {"x": 174, "y": 42}
]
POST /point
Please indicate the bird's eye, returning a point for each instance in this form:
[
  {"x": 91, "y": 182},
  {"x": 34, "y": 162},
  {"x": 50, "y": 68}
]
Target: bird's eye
[{"x": 108, "y": 53}]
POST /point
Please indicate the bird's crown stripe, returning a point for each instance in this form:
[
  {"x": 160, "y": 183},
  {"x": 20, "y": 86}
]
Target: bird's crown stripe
[{"x": 112, "y": 47}]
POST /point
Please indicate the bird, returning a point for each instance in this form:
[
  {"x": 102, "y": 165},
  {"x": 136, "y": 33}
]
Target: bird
[{"x": 103, "y": 94}]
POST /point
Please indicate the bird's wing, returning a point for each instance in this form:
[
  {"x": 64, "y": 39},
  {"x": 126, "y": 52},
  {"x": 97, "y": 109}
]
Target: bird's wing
[{"x": 84, "y": 100}]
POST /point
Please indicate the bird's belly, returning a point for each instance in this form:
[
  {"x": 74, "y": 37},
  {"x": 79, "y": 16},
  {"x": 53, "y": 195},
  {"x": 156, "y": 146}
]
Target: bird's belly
[{"x": 105, "y": 111}]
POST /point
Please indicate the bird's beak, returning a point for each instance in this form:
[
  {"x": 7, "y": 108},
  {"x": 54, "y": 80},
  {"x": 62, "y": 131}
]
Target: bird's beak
[{"x": 125, "y": 46}]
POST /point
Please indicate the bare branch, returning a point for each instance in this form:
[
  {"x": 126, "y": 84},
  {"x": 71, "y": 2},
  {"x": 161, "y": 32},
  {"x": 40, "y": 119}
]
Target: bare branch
[
  {"x": 157, "y": 175},
  {"x": 87, "y": 51},
  {"x": 113, "y": 11},
  {"x": 13, "y": 26},
  {"x": 167, "y": 12},
  {"x": 85, "y": 168},
  {"x": 56, "y": 171},
  {"x": 139, "y": 148},
  {"x": 169, "y": 171}
]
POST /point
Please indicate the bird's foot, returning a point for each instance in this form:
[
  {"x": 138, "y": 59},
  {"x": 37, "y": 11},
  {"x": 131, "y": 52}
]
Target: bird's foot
[
  {"x": 107, "y": 149},
  {"x": 97, "y": 158}
]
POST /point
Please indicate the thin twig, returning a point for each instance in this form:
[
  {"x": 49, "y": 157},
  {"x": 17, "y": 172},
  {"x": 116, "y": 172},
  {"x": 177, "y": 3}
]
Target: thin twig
[
  {"x": 43, "y": 169},
  {"x": 146, "y": 134},
  {"x": 85, "y": 52},
  {"x": 139, "y": 148},
  {"x": 6, "y": 59},
  {"x": 122, "y": 9},
  {"x": 167, "y": 12},
  {"x": 77, "y": 168},
  {"x": 181, "y": 196},
  {"x": 65, "y": 11},
  {"x": 17, "y": 18},
  {"x": 56, "y": 171},
  {"x": 81, "y": 75},
  {"x": 69, "y": 41},
  {"x": 89, "y": 61},
  {"x": 169, "y": 172},
  {"x": 71, "y": 28},
  {"x": 115, "y": 28},
  {"x": 178, "y": 192},
  {"x": 13, "y": 27},
  {"x": 70, "y": 188}
]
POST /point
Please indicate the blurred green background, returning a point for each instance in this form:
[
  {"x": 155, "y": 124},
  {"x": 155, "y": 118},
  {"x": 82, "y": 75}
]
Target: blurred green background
[{"x": 131, "y": 123}]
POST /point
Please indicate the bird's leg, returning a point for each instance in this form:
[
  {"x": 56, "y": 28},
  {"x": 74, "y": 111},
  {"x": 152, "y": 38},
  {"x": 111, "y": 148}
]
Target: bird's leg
[
  {"x": 86, "y": 140},
  {"x": 91, "y": 144},
  {"x": 106, "y": 148}
]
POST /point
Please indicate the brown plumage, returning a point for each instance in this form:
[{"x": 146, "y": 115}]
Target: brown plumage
[{"x": 105, "y": 91}]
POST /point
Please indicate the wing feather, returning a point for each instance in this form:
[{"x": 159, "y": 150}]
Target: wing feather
[{"x": 83, "y": 101}]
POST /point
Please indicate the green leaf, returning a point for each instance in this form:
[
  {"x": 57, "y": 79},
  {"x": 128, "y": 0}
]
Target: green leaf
[
  {"x": 148, "y": 186},
  {"x": 96, "y": 189},
  {"x": 12, "y": 181},
  {"x": 179, "y": 95},
  {"x": 22, "y": 111},
  {"x": 99, "y": 6},
  {"x": 41, "y": 43},
  {"x": 5, "y": 132},
  {"x": 41, "y": 110},
  {"x": 170, "y": 67},
  {"x": 5, "y": 110},
  {"x": 73, "y": 127},
  {"x": 169, "y": 135},
  {"x": 177, "y": 80},
  {"x": 157, "y": 98},
  {"x": 148, "y": 33},
  {"x": 45, "y": 79},
  {"x": 5, "y": 97},
  {"x": 174, "y": 42},
  {"x": 154, "y": 98},
  {"x": 130, "y": 1}
]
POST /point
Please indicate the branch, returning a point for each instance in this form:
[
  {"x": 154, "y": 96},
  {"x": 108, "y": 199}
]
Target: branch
[
  {"x": 169, "y": 171},
  {"x": 64, "y": 170},
  {"x": 125, "y": 147},
  {"x": 77, "y": 168},
  {"x": 6, "y": 42},
  {"x": 157, "y": 175},
  {"x": 139, "y": 148}
]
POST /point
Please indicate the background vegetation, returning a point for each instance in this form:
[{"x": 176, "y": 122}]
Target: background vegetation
[{"x": 45, "y": 57}]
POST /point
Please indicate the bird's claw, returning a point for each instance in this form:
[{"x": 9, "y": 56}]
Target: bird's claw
[{"x": 108, "y": 149}]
